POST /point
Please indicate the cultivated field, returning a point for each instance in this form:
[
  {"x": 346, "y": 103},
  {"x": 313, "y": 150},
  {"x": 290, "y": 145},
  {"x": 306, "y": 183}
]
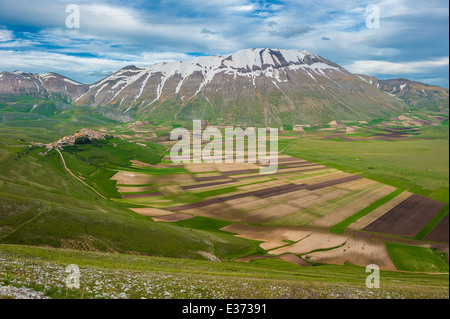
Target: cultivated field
[{"x": 292, "y": 211}]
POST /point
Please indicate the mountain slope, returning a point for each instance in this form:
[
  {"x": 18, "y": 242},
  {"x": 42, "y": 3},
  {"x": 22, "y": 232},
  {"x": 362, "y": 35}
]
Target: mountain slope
[
  {"x": 415, "y": 94},
  {"x": 255, "y": 86},
  {"x": 47, "y": 85}
]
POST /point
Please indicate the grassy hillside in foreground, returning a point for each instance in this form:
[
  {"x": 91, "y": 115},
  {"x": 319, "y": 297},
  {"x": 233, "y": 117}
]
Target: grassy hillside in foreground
[{"x": 106, "y": 275}]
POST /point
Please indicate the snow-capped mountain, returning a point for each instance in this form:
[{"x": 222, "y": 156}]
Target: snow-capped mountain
[
  {"x": 257, "y": 86},
  {"x": 50, "y": 85},
  {"x": 190, "y": 77},
  {"x": 253, "y": 86}
]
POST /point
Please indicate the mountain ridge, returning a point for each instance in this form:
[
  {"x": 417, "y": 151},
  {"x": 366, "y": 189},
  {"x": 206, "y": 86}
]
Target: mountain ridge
[
  {"x": 50, "y": 85},
  {"x": 251, "y": 86},
  {"x": 412, "y": 92}
]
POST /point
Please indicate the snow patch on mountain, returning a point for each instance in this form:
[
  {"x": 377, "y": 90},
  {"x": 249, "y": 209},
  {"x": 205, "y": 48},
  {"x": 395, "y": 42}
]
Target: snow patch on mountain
[
  {"x": 402, "y": 86},
  {"x": 71, "y": 82}
]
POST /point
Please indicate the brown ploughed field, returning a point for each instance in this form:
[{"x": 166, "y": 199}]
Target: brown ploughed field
[{"x": 407, "y": 218}]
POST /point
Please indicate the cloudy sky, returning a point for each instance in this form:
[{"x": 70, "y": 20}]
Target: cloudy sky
[{"x": 411, "y": 41}]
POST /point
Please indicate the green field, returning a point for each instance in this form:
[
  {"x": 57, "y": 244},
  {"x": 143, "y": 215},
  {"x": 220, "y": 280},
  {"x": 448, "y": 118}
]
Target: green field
[
  {"x": 418, "y": 165},
  {"x": 412, "y": 258},
  {"x": 433, "y": 223},
  {"x": 203, "y": 223}
]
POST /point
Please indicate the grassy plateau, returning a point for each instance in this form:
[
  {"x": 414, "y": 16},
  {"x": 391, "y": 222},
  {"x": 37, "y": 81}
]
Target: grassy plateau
[{"x": 50, "y": 219}]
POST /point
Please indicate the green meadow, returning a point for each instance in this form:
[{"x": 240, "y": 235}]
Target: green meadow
[
  {"x": 419, "y": 164},
  {"x": 413, "y": 258}
]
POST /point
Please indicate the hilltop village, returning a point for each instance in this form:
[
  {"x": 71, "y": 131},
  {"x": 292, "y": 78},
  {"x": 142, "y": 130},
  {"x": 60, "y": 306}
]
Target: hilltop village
[{"x": 71, "y": 139}]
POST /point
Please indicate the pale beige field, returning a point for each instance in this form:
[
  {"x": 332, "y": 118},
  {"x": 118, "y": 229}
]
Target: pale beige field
[
  {"x": 334, "y": 205},
  {"x": 263, "y": 215},
  {"x": 131, "y": 178},
  {"x": 132, "y": 189},
  {"x": 316, "y": 240},
  {"x": 220, "y": 167},
  {"x": 172, "y": 218},
  {"x": 321, "y": 178},
  {"x": 311, "y": 198},
  {"x": 218, "y": 211},
  {"x": 295, "y": 260},
  {"x": 339, "y": 214},
  {"x": 208, "y": 174},
  {"x": 134, "y": 178},
  {"x": 248, "y": 203},
  {"x": 271, "y": 236},
  {"x": 358, "y": 251},
  {"x": 360, "y": 184},
  {"x": 171, "y": 190},
  {"x": 263, "y": 185}
]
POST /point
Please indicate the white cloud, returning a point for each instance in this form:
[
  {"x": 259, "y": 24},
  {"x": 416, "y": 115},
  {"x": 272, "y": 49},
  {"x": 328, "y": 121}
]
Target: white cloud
[
  {"x": 83, "y": 69},
  {"x": 128, "y": 31},
  {"x": 6, "y": 35},
  {"x": 396, "y": 68},
  {"x": 247, "y": 8}
]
